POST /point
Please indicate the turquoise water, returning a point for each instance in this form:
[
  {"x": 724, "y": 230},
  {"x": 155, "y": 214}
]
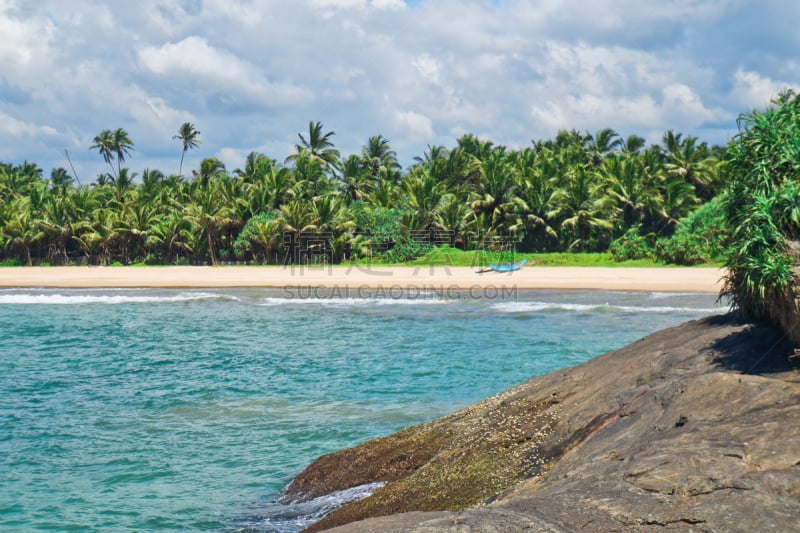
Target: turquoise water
[{"x": 157, "y": 410}]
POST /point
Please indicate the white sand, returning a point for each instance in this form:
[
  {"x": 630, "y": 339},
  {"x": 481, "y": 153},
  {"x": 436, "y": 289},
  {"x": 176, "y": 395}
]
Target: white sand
[{"x": 375, "y": 277}]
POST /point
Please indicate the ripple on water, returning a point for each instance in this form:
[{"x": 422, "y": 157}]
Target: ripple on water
[{"x": 143, "y": 410}]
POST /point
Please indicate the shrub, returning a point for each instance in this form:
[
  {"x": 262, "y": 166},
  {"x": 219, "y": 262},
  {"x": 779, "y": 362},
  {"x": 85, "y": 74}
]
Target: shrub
[
  {"x": 631, "y": 246},
  {"x": 761, "y": 208},
  {"x": 700, "y": 237}
]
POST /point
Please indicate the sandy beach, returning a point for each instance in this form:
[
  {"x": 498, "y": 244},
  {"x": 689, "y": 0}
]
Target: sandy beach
[{"x": 438, "y": 278}]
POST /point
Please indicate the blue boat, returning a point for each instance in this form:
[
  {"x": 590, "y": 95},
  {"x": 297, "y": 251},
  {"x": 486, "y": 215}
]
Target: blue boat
[{"x": 505, "y": 267}]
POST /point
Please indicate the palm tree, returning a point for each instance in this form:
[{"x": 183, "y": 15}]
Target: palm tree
[
  {"x": 57, "y": 224},
  {"x": 432, "y": 154},
  {"x": 169, "y": 235},
  {"x": 60, "y": 181},
  {"x": 104, "y": 143},
  {"x": 152, "y": 179},
  {"x": 262, "y": 233},
  {"x": 584, "y": 212},
  {"x": 104, "y": 230},
  {"x": 691, "y": 162},
  {"x": 256, "y": 166},
  {"x": 379, "y": 157},
  {"x": 207, "y": 213},
  {"x": 209, "y": 167},
  {"x": 496, "y": 192},
  {"x": 318, "y": 146},
  {"x": 123, "y": 145},
  {"x": 603, "y": 143},
  {"x": 356, "y": 182},
  {"x": 424, "y": 195},
  {"x": 538, "y": 190},
  {"x": 122, "y": 184},
  {"x": 21, "y": 231},
  {"x": 116, "y": 144},
  {"x": 15, "y": 183},
  {"x": 270, "y": 190},
  {"x": 633, "y": 144},
  {"x": 188, "y": 137}
]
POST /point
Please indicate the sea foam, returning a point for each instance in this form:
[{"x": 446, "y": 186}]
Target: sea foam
[{"x": 68, "y": 298}]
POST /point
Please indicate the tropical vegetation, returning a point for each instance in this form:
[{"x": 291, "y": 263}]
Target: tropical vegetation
[
  {"x": 577, "y": 192},
  {"x": 763, "y": 210}
]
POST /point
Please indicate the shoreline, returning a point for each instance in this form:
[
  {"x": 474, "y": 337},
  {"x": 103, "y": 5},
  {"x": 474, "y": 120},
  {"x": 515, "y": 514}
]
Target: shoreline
[{"x": 361, "y": 277}]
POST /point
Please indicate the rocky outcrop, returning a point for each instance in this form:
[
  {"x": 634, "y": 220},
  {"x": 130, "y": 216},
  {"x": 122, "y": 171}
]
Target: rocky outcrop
[
  {"x": 785, "y": 309},
  {"x": 693, "y": 428}
]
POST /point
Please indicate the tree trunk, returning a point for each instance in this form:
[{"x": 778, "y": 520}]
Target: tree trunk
[
  {"x": 180, "y": 168},
  {"x": 211, "y": 247}
]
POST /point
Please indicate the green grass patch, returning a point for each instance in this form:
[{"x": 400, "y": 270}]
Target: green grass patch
[{"x": 478, "y": 258}]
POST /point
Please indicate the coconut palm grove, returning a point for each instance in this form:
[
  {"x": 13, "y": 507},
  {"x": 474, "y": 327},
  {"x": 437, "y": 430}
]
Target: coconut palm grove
[{"x": 578, "y": 192}]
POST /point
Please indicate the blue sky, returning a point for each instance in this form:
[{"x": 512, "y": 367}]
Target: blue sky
[{"x": 251, "y": 74}]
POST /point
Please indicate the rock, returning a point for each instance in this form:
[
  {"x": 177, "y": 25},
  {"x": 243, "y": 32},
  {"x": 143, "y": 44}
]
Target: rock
[{"x": 692, "y": 428}]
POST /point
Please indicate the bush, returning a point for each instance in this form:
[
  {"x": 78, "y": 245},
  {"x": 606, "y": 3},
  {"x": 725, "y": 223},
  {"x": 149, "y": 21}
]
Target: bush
[
  {"x": 700, "y": 237},
  {"x": 764, "y": 162},
  {"x": 10, "y": 263},
  {"x": 631, "y": 246}
]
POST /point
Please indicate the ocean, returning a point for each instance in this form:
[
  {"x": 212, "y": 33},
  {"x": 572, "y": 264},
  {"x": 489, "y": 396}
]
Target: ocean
[{"x": 164, "y": 410}]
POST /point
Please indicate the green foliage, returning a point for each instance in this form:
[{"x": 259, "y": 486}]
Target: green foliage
[
  {"x": 631, "y": 246},
  {"x": 700, "y": 237},
  {"x": 762, "y": 205},
  {"x": 446, "y": 256},
  {"x": 260, "y": 236},
  {"x": 12, "y": 262},
  {"x": 577, "y": 192},
  {"x": 405, "y": 249}
]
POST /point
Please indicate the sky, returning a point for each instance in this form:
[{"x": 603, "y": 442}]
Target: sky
[{"x": 251, "y": 75}]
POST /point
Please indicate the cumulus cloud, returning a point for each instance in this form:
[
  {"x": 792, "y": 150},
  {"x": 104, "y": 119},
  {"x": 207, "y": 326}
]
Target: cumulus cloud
[
  {"x": 17, "y": 128},
  {"x": 753, "y": 90},
  {"x": 193, "y": 60},
  {"x": 250, "y": 75},
  {"x": 415, "y": 124}
]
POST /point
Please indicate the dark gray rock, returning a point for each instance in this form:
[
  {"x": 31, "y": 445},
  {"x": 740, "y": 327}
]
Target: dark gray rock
[{"x": 693, "y": 429}]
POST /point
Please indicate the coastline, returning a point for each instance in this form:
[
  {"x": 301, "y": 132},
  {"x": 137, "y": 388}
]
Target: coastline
[
  {"x": 424, "y": 278},
  {"x": 690, "y": 427}
]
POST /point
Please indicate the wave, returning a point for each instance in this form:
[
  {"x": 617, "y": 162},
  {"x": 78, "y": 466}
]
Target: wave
[
  {"x": 335, "y": 301},
  {"x": 282, "y": 516},
  {"x": 535, "y": 307},
  {"x": 110, "y": 299}
]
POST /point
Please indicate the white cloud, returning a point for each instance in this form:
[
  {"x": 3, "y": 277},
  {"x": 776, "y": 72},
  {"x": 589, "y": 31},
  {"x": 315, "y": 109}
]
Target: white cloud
[
  {"x": 752, "y": 90},
  {"x": 359, "y": 4},
  {"x": 415, "y": 125},
  {"x": 194, "y": 56},
  {"x": 427, "y": 67},
  {"x": 233, "y": 157},
  {"x": 17, "y": 128},
  {"x": 682, "y": 105},
  {"x": 25, "y": 42},
  {"x": 251, "y": 74},
  {"x": 388, "y": 4}
]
